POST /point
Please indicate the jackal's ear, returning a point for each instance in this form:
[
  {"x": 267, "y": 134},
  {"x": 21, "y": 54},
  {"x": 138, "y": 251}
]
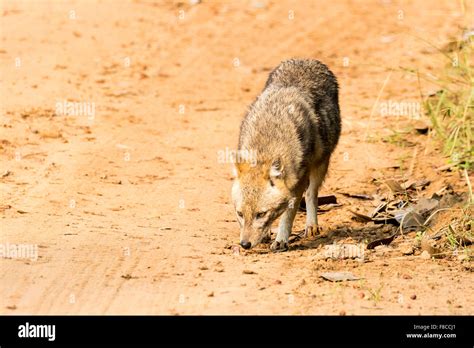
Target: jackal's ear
[{"x": 276, "y": 170}]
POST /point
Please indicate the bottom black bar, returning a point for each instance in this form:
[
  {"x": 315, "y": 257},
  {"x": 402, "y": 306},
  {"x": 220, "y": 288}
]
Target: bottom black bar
[{"x": 294, "y": 331}]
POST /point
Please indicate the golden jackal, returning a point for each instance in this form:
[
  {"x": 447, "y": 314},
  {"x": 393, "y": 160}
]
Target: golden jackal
[{"x": 292, "y": 128}]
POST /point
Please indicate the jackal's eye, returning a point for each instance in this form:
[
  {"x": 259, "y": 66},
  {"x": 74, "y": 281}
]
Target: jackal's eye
[
  {"x": 261, "y": 214},
  {"x": 239, "y": 213}
]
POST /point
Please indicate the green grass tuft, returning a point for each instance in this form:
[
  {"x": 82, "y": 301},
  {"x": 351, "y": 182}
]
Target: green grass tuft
[{"x": 451, "y": 108}]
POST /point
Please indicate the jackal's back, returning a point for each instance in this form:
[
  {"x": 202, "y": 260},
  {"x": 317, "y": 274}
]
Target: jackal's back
[
  {"x": 318, "y": 85},
  {"x": 296, "y": 117}
]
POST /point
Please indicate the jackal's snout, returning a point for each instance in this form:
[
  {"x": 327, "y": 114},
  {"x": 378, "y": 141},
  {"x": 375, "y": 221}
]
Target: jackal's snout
[{"x": 252, "y": 234}]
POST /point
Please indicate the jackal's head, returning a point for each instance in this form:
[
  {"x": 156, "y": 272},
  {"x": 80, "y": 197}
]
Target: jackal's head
[{"x": 260, "y": 196}]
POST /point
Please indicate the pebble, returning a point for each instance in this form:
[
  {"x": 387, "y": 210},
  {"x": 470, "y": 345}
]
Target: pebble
[
  {"x": 413, "y": 297},
  {"x": 407, "y": 250},
  {"x": 425, "y": 255},
  {"x": 429, "y": 247},
  {"x": 258, "y": 4},
  {"x": 236, "y": 250}
]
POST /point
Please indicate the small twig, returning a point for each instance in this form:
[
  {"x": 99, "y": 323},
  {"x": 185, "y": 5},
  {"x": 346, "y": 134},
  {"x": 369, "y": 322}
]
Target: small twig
[
  {"x": 412, "y": 164},
  {"x": 375, "y": 104},
  {"x": 435, "y": 212},
  {"x": 468, "y": 186}
]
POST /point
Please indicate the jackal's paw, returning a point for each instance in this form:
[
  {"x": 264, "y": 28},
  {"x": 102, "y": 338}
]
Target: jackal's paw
[
  {"x": 279, "y": 246},
  {"x": 314, "y": 230}
]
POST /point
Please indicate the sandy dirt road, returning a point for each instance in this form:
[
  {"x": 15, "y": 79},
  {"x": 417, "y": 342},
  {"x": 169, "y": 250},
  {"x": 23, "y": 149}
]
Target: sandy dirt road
[{"x": 130, "y": 207}]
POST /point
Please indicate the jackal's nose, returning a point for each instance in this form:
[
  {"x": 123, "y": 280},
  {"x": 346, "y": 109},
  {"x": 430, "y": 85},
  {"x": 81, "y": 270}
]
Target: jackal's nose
[{"x": 245, "y": 245}]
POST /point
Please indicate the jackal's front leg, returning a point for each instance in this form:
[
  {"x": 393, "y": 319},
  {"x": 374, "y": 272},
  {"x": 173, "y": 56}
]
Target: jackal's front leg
[
  {"x": 316, "y": 178},
  {"x": 285, "y": 226}
]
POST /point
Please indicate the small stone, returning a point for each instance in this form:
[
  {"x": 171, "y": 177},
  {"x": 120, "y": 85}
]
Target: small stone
[
  {"x": 277, "y": 282},
  {"x": 211, "y": 294},
  {"x": 413, "y": 297},
  {"x": 258, "y": 4},
  {"x": 236, "y": 250},
  {"x": 425, "y": 255},
  {"x": 407, "y": 250},
  {"x": 342, "y": 312},
  {"x": 246, "y": 271},
  {"x": 429, "y": 247}
]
